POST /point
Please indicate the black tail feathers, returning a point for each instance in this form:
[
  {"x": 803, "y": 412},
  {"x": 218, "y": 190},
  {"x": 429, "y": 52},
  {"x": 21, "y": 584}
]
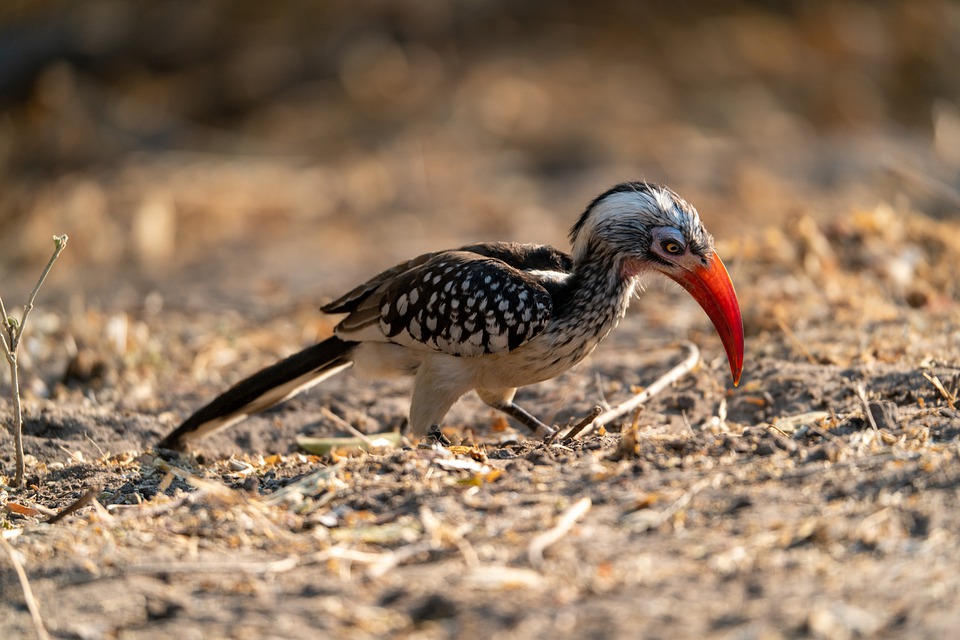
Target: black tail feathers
[{"x": 263, "y": 390}]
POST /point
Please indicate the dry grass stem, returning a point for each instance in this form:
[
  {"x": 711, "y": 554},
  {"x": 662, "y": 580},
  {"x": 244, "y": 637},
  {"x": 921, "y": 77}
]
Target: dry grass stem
[
  {"x": 31, "y": 601},
  {"x": 866, "y": 405},
  {"x": 935, "y": 381}
]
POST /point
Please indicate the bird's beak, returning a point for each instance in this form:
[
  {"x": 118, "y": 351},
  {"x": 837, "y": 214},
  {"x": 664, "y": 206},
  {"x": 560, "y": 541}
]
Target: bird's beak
[{"x": 710, "y": 285}]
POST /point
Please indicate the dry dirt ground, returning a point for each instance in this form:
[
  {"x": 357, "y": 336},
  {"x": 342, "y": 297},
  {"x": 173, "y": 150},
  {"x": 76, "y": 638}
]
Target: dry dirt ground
[
  {"x": 774, "y": 510},
  {"x": 221, "y": 179}
]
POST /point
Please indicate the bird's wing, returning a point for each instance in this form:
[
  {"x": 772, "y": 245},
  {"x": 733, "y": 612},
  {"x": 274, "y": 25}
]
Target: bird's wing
[
  {"x": 462, "y": 303},
  {"x": 354, "y": 298}
]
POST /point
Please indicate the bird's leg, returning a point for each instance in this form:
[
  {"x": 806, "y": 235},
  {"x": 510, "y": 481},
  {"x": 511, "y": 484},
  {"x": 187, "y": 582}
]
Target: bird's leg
[
  {"x": 433, "y": 395},
  {"x": 502, "y": 400},
  {"x": 517, "y": 412}
]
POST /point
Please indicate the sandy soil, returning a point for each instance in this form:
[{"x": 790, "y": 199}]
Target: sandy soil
[
  {"x": 213, "y": 204},
  {"x": 775, "y": 509}
]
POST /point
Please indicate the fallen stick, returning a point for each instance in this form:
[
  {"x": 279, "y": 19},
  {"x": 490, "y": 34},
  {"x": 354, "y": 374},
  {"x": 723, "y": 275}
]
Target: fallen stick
[
  {"x": 628, "y": 405},
  {"x": 548, "y": 538},
  {"x": 32, "y": 605},
  {"x": 577, "y": 428},
  {"x": 88, "y": 497},
  {"x": 281, "y": 565}
]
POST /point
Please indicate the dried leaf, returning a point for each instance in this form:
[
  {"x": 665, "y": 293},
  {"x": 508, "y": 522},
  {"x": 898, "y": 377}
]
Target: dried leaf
[{"x": 23, "y": 510}]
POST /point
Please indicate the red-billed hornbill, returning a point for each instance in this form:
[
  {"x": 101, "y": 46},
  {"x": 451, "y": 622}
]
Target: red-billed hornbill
[{"x": 492, "y": 317}]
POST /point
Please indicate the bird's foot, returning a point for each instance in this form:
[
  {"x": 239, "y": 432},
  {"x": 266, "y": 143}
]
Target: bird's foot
[
  {"x": 435, "y": 436},
  {"x": 545, "y": 432}
]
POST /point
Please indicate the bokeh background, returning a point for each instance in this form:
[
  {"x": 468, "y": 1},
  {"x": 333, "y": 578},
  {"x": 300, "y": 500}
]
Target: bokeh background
[{"x": 216, "y": 151}]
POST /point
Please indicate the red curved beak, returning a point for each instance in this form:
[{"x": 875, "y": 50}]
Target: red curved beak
[{"x": 710, "y": 285}]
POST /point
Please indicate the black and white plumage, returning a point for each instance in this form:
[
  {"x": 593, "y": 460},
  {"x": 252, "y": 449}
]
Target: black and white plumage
[{"x": 492, "y": 317}]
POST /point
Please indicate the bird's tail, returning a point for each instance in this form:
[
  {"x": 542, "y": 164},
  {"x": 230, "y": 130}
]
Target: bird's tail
[{"x": 264, "y": 389}]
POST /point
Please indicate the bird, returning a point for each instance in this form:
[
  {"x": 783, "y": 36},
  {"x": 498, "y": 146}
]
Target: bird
[{"x": 492, "y": 317}]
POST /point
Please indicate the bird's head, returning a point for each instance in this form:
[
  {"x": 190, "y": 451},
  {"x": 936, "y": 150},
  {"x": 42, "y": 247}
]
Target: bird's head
[{"x": 646, "y": 227}]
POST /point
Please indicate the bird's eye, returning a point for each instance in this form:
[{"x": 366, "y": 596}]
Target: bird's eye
[{"x": 672, "y": 247}]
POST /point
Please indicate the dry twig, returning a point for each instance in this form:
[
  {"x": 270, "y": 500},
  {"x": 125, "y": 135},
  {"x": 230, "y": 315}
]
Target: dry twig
[
  {"x": 935, "y": 381},
  {"x": 866, "y": 405},
  {"x": 11, "y": 347},
  {"x": 266, "y": 567},
  {"x": 567, "y": 519},
  {"x": 89, "y": 496},
  {"x": 577, "y": 428},
  {"x": 625, "y": 407},
  {"x": 443, "y": 533},
  {"x": 31, "y": 601}
]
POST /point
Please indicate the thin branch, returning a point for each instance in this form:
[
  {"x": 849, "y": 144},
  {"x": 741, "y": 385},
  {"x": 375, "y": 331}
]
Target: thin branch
[
  {"x": 89, "y": 496},
  {"x": 11, "y": 346},
  {"x": 31, "y": 601},
  {"x": 548, "y": 538},
  {"x": 60, "y": 243},
  {"x": 6, "y": 327},
  {"x": 281, "y": 565},
  {"x": 577, "y": 428},
  {"x": 625, "y": 407},
  {"x": 17, "y": 422},
  {"x": 441, "y": 533}
]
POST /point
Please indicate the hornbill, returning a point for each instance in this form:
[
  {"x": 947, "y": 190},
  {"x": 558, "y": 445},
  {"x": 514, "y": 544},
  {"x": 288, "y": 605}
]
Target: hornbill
[{"x": 495, "y": 316}]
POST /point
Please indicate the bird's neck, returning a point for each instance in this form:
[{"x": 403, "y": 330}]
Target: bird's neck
[{"x": 599, "y": 289}]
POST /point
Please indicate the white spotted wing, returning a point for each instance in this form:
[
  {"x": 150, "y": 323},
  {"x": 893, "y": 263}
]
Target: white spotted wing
[{"x": 455, "y": 302}]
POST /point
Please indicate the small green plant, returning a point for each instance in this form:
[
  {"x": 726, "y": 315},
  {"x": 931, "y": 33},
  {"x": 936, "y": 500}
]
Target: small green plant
[{"x": 11, "y": 346}]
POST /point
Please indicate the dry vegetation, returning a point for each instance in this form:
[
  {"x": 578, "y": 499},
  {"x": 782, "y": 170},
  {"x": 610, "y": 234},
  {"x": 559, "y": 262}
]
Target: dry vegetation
[{"x": 219, "y": 183}]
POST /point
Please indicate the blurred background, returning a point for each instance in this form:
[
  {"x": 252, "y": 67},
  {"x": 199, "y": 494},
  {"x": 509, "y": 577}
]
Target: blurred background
[{"x": 216, "y": 151}]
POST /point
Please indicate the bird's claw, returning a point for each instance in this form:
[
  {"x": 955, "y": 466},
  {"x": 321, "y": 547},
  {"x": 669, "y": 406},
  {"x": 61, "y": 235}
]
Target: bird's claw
[{"x": 435, "y": 436}]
